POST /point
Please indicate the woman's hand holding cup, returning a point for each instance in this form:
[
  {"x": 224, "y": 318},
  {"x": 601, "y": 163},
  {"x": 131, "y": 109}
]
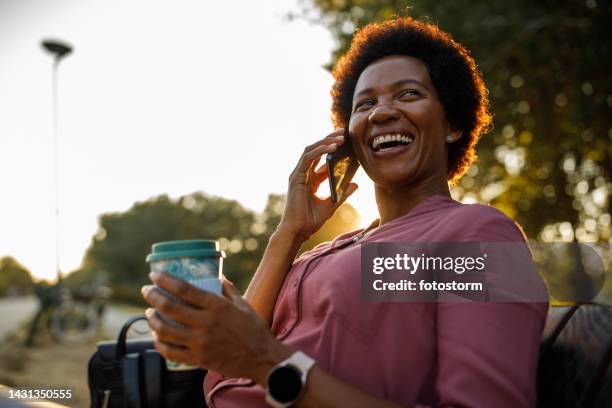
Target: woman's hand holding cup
[
  {"x": 220, "y": 333},
  {"x": 304, "y": 212}
]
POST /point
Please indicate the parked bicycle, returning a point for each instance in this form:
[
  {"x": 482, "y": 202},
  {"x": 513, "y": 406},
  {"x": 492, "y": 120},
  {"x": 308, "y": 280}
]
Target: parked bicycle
[{"x": 72, "y": 316}]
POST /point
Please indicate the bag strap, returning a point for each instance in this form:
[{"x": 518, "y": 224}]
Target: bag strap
[
  {"x": 588, "y": 396},
  {"x": 567, "y": 316},
  {"x": 120, "y": 349},
  {"x": 152, "y": 365},
  {"x": 131, "y": 380}
]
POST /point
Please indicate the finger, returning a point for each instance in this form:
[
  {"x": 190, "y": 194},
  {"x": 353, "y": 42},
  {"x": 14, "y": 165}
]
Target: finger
[
  {"x": 311, "y": 171},
  {"x": 232, "y": 292},
  {"x": 169, "y": 308},
  {"x": 337, "y": 136},
  {"x": 308, "y": 157},
  {"x": 184, "y": 291},
  {"x": 229, "y": 289},
  {"x": 319, "y": 177},
  {"x": 174, "y": 353},
  {"x": 336, "y": 133},
  {"x": 165, "y": 331},
  {"x": 328, "y": 141},
  {"x": 322, "y": 169}
]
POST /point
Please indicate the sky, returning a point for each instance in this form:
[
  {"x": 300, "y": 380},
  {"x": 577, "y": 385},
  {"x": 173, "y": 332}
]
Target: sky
[{"x": 158, "y": 97}]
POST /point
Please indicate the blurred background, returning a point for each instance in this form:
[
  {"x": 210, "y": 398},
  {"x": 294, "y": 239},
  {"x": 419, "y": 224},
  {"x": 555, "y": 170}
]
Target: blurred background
[{"x": 184, "y": 119}]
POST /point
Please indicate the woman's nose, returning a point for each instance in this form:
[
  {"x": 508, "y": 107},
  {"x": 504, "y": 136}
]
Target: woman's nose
[{"x": 382, "y": 114}]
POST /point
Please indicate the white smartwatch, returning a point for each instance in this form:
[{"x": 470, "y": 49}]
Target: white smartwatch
[{"x": 287, "y": 380}]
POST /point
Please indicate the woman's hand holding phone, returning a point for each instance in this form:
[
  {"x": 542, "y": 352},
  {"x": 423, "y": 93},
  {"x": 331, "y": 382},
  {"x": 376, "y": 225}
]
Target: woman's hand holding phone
[{"x": 304, "y": 212}]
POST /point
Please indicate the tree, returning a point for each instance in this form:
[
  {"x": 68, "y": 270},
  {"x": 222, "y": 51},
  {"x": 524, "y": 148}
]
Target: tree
[
  {"x": 123, "y": 240},
  {"x": 15, "y": 279},
  {"x": 547, "y": 162}
]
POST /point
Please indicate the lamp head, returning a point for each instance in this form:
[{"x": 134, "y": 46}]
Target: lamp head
[{"x": 58, "y": 49}]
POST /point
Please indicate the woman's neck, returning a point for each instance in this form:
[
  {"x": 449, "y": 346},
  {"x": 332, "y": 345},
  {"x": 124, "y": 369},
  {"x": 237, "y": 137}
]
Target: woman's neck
[{"x": 393, "y": 202}]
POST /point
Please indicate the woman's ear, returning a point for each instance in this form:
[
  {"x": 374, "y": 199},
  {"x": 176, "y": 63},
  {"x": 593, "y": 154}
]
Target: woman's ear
[{"x": 453, "y": 136}]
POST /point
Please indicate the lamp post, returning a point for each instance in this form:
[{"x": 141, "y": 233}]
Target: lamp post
[{"x": 59, "y": 50}]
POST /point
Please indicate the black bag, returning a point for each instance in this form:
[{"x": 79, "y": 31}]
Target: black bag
[
  {"x": 132, "y": 374},
  {"x": 575, "y": 359}
]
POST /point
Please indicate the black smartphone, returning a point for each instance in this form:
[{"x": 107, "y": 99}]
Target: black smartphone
[{"x": 341, "y": 167}]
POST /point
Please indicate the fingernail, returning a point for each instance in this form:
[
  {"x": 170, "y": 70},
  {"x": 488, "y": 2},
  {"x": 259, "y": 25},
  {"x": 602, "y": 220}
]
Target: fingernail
[
  {"x": 340, "y": 137},
  {"x": 153, "y": 275},
  {"x": 333, "y": 146},
  {"x": 144, "y": 290},
  {"x": 149, "y": 312}
]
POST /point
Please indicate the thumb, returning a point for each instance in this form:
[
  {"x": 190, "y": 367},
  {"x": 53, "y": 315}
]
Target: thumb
[{"x": 231, "y": 291}]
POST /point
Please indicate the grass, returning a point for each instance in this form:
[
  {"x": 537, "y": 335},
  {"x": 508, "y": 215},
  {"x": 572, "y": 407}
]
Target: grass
[{"x": 47, "y": 365}]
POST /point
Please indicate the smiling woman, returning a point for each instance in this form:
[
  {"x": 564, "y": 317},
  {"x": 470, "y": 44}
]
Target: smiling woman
[
  {"x": 395, "y": 99},
  {"x": 440, "y": 66},
  {"x": 303, "y": 334}
]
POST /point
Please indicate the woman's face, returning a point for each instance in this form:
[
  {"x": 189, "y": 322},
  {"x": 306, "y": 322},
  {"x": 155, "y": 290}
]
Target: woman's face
[{"x": 397, "y": 125}]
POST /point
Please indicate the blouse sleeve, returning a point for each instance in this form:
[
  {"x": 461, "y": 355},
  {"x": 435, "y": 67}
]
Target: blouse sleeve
[{"x": 488, "y": 352}]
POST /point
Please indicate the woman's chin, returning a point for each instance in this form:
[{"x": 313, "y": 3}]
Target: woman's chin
[
  {"x": 393, "y": 180},
  {"x": 390, "y": 172}
]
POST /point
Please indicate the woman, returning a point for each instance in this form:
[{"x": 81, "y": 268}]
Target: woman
[{"x": 411, "y": 82}]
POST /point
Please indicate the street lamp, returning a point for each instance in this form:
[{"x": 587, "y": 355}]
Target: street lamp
[{"x": 59, "y": 50}]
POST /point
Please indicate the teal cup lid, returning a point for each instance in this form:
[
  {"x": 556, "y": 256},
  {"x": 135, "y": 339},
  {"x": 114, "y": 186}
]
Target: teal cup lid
[{"x": 185, "y": 248}]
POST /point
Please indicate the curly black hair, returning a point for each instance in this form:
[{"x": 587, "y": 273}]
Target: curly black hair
[{"x": 452, "y": 70}]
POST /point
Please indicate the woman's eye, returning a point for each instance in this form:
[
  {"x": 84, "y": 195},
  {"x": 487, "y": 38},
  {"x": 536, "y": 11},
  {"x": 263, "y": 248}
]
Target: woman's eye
[
  {"x": 409, "y": 93},
  {"x": 364, "y": 104}
]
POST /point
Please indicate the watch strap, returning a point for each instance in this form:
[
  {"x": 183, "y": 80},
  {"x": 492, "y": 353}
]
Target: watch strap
[{"x": 302, "y": 363}]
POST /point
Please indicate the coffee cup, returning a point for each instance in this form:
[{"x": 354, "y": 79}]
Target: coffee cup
[{"x": 198, "y": 262}]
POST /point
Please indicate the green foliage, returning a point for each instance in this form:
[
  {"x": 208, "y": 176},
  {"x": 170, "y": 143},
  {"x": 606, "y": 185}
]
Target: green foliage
[
  {"x": 547, "y": 65},
  {"x": 15, "y": 279},
  {"x": 123, "y": 240},
  {"x": 83, "y": 277}
]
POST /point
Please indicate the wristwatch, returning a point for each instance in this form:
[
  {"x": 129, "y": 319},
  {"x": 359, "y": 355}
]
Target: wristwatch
[{"x": 287, "y": 380}]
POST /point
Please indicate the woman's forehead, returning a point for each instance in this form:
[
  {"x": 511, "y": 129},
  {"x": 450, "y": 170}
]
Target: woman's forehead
[{"x": 390, "y": 70}]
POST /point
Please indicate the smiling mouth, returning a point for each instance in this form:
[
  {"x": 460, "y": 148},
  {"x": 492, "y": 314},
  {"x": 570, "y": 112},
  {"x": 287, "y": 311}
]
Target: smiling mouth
[{"x": 389, "y": 141}]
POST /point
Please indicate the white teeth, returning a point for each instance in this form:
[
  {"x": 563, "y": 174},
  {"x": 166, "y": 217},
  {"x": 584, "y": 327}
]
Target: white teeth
[{"x": 396, "y": 137}]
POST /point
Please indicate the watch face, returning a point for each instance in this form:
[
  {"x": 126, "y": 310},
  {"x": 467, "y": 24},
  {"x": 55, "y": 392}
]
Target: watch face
[{"x": 285, "y": 384}]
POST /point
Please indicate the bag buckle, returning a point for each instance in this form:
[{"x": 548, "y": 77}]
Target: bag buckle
[{"x": 107, "y": 394}]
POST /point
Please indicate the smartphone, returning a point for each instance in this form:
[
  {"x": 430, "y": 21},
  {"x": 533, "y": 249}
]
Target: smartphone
[{"x": 341, "y": 167}]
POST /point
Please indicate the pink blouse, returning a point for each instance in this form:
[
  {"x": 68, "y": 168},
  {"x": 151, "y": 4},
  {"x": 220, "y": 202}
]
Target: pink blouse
[{"x": 459, "y": 354}]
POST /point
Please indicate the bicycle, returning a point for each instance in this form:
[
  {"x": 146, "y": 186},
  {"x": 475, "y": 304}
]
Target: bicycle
[{"x": 72, "y": 316}]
